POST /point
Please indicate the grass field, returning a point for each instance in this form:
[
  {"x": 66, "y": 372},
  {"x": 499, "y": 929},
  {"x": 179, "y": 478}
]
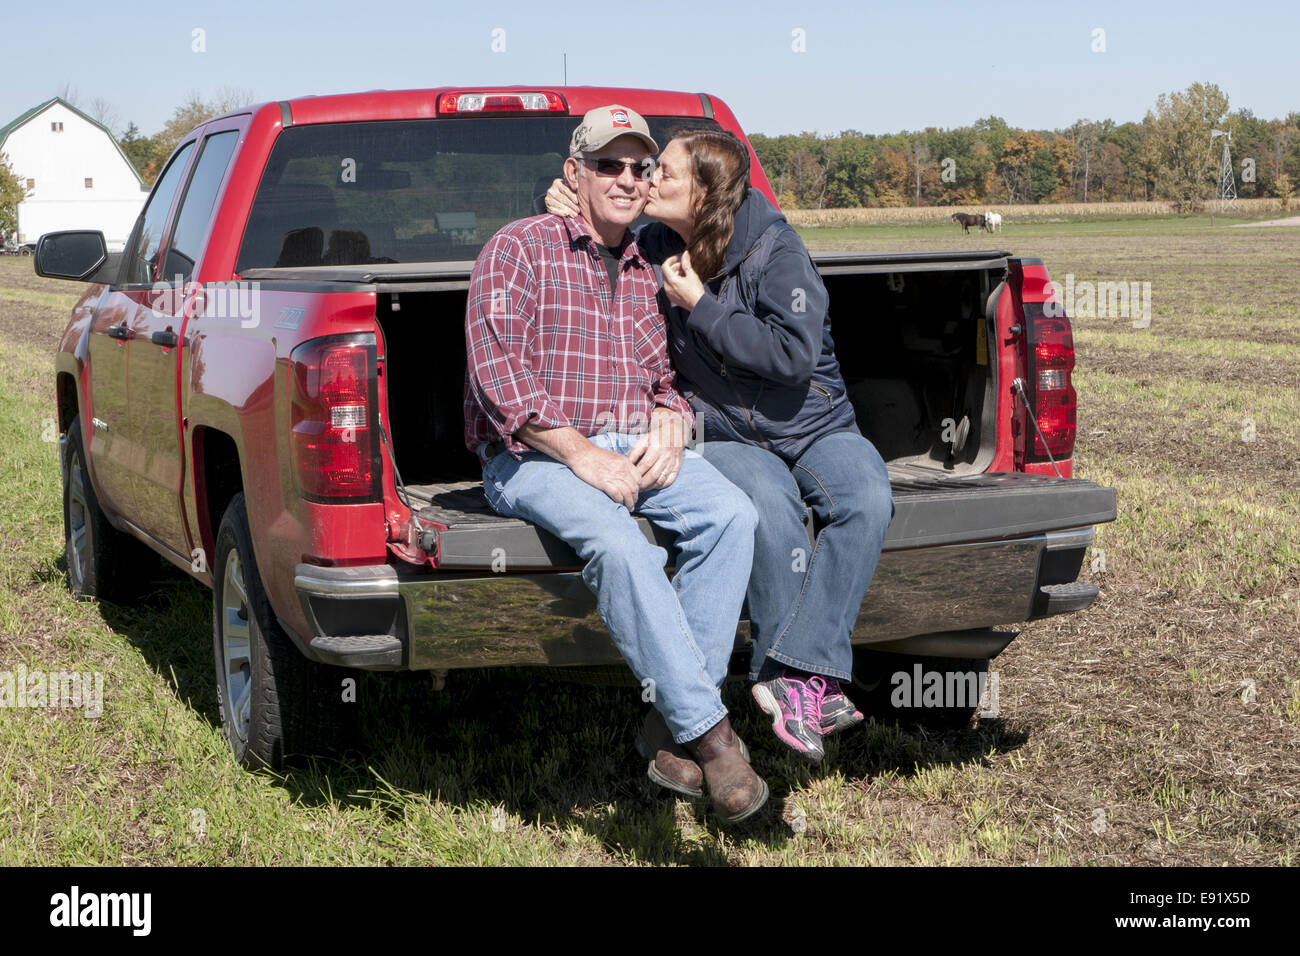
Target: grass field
[{"x": 1162, "y": 726}]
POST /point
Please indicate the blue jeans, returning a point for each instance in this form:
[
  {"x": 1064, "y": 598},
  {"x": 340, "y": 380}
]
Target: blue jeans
[
  {"x": 679, "y": 633},
  {"x": 803, "y": 604}
]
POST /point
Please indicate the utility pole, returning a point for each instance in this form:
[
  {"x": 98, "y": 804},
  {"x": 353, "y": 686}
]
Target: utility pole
[{"x": 1226, "y": 192}]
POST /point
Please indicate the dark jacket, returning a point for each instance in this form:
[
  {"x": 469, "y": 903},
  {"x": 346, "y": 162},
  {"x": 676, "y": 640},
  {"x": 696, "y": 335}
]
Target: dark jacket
[{"x": 765, "y": 373}]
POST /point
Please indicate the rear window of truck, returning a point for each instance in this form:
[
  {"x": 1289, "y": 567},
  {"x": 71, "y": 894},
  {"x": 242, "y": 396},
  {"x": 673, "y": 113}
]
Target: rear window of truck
[{"x": 430, "y": 190}]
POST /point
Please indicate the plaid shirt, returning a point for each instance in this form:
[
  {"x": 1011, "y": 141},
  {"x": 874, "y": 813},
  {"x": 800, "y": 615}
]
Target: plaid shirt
[{"x": 547, "y": 346}]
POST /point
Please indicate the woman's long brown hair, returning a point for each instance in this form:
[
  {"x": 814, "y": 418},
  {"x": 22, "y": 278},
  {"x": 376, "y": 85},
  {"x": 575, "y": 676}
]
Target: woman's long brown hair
[{"x": 720, "y": 167}]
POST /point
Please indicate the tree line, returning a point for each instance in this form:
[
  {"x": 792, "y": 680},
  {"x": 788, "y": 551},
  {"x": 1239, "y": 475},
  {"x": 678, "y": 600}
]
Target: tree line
[
  {"x": 148, "y": 154},
  {"x": 1170, "y": 155}
]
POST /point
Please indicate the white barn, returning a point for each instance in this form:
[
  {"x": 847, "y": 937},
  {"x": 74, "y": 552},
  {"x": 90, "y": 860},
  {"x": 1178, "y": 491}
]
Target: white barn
[{"x": 77, "y": 176}]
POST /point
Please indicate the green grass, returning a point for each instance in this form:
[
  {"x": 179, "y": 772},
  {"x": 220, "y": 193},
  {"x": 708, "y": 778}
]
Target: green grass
[{"x": 28, "y": 297}]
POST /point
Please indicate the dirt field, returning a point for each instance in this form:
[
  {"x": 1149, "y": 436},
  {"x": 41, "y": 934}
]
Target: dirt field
[
  {"x": 1289, "y": 221},
  {"x": 1162, "y": 726}
]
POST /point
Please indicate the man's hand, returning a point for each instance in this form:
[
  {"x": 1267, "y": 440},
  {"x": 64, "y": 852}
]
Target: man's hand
[
  {"x": 609, "y": 471},
  {"x": 657, "y": 455},
  {"x": 561, "y": 200},
  {"x": 682, "y": 285}
]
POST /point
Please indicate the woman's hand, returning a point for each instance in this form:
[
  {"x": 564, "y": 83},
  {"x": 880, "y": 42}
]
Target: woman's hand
[
  {"x": 561, "y": 200},
  {"x": 681, "y": 284},
  {"x": 657, "y": 455}
]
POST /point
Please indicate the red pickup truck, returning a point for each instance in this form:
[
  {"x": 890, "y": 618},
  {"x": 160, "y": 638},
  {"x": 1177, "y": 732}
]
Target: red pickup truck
[{"x": 265, "y": 387}]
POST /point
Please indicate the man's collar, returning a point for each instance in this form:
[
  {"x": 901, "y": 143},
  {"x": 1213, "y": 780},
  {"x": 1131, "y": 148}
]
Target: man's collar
[
  {"x": 578, "y": 229},
  {"x": 576, "y": 226}
]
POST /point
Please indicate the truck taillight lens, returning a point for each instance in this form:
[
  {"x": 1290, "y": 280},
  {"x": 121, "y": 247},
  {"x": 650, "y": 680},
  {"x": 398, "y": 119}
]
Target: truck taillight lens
[
  {"x": 1051, "y": 358},
  {"x": 332, "y": 393}
]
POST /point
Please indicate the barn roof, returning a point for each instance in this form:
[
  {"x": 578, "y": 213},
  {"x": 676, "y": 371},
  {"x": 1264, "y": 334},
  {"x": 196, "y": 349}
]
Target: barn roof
[{"x": 35, "y": 111}]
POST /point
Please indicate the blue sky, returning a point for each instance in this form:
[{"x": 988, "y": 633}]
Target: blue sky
[{"x": 871, "y": 67}]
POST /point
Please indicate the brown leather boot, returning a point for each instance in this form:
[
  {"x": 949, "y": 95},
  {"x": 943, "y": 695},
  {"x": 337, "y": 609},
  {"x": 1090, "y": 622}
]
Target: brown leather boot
[
  {"x": 737, "y": 792},
  {"x": 670, "y": 765}
]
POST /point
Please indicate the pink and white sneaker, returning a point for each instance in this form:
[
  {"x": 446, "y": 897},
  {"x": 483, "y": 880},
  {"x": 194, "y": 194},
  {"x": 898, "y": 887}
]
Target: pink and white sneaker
[{"x": 795, "y": 706}]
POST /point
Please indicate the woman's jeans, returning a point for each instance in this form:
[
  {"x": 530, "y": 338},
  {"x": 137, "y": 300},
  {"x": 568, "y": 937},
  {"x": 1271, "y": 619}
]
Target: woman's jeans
[
  {"x": 804, "y": 601},
  {"x": 676, "y": 635}
]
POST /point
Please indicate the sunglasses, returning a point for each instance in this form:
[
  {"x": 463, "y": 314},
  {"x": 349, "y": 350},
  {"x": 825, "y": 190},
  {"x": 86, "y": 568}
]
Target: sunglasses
[{"x": 643, "y": 169}]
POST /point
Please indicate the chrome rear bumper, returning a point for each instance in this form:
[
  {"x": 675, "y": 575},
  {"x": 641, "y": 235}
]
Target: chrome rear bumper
[{"x": 386, "y": 618}]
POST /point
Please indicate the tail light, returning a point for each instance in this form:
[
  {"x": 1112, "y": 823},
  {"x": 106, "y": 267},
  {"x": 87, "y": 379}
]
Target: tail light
[
  {"x": 333, "y": 392},
  {"x": 1051, "y": 360},
  {"x": 514, "y": 102}
]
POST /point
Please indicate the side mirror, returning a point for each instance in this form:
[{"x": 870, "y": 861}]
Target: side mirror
[{"x": 73, "y": 254}]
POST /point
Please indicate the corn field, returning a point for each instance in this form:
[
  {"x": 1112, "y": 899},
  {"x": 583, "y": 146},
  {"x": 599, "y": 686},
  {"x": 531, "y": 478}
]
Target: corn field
[{"x": 1025, "y": 213}]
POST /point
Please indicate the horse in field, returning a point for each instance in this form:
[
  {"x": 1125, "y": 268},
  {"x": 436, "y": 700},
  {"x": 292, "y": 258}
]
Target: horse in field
[
  {"x": 994, "y": 221},
  {"x": 966, "y": 220}
]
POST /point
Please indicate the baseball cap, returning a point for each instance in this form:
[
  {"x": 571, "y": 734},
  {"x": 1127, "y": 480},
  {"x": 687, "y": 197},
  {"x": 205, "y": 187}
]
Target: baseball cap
[{"x": 604, "y": 124}]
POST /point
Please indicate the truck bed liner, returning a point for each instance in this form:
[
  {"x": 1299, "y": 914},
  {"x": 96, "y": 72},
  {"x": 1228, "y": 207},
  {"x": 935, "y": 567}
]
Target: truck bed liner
[{"x": 929, "y": 512}]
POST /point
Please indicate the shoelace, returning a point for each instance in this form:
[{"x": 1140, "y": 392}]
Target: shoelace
[{"x": 816, "y": 691}]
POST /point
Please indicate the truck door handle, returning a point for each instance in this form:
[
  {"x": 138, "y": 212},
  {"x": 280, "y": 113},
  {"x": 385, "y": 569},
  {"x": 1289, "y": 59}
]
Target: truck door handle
[
  {"x": 119, "y": 331},
  {"x": 166, "y": 339}
]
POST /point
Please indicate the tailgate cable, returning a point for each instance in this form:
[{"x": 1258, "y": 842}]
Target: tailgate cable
[
  {"x": 400, "y": 486},
  {"x": 1019, "y": 386}
]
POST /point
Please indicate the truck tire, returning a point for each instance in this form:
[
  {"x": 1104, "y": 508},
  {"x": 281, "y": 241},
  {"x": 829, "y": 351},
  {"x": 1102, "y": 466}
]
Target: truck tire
[
  {"x": 274, "y": 702},
  {"x": 880, "y": 694},
  {"x": 102, "y": 562}
]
